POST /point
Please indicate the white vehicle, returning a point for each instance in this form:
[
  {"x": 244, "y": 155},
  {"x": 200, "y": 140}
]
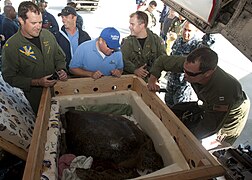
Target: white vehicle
[
  {"x": 231, "y": 18},
  {"x": 90, "y": 5}
]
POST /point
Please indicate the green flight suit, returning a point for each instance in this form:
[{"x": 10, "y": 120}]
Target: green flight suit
[
  {"x": 135, "y": 56},
  {"x": 225, "y": 105},
  {"x": 23, "y": 61}
]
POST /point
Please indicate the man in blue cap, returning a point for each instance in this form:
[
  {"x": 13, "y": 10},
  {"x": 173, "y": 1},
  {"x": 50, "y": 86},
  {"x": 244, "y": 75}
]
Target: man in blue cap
[{"x": 99, "y": 57}]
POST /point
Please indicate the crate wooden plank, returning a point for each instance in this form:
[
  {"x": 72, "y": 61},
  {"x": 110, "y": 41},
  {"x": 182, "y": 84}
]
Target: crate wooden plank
[
  {"x": 37, "y": 148},
  {"x": 200, "y": 173},
  {"x": 89, "y": 85}
]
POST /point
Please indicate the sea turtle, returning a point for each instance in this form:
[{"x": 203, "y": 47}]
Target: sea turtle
[{"x": 115, "y": 143}]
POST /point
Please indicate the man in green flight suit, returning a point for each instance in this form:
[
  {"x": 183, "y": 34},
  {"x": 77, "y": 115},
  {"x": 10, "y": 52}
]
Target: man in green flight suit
[
  {"x": 225, "y": 106},
  {"x": 142, "y": 47},
  {"x": 32, "y": 55}
]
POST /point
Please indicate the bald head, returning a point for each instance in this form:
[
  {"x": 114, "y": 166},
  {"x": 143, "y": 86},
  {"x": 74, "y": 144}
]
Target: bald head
[
  {"x": 10, "y": 12},
  {"x": 189, "y": 31}
]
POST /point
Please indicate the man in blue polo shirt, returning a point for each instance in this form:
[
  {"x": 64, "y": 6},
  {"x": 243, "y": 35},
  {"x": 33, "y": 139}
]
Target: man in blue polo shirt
[{"x": 99, "y": 57}]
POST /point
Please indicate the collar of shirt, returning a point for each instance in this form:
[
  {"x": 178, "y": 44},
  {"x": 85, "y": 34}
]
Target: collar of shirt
[{"x": 74, "y": 39}]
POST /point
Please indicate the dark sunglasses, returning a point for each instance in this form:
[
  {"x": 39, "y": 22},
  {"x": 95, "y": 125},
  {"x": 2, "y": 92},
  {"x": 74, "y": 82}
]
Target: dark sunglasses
[{"x": 193, "y": 74}]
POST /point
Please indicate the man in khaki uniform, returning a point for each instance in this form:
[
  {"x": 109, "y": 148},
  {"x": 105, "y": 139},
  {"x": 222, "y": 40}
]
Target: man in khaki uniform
[
  {"x": 142, "y": 47},
  {"x": 225, "y": 106}
]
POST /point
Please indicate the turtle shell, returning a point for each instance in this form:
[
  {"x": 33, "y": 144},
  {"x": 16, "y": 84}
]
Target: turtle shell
[{"x": 105, "y": 137}]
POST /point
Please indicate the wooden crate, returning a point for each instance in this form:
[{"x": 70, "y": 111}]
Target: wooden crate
[{"x": 202, "y": 163}]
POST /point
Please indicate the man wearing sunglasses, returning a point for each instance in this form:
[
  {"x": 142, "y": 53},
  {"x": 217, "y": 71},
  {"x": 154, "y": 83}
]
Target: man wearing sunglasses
[
  {"x": 98, "y": 57},
  {"x": 224, "y": 108}
]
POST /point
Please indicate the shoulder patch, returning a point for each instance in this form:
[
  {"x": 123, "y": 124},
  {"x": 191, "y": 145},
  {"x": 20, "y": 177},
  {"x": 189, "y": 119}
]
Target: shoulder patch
[{"x": 28, "y": 51}]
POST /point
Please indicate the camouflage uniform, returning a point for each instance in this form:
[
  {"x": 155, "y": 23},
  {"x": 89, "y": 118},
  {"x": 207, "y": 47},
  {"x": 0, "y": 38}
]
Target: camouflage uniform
[
  {"x": 178, "y": 89},
  {"x": 135, "y": 56}
]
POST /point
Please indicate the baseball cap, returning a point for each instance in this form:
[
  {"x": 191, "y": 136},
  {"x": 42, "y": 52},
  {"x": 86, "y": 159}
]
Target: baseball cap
[
  {"x": 67, "y": 10},
  {"x": 111, "y": 36}
]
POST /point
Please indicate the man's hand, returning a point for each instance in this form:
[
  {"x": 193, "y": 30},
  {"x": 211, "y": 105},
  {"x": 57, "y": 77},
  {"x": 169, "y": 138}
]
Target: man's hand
[
  {"x": 44, "y": 82},
  {"x": 141, "y": 72},
  {"x": 2, "y": 38},
  {"x": 172, "y": 36},
  {"x": 116, "y": 72},
  {"x": 96, "y": 75},
  {"x": 152, "y": 84},
  {"x": 62, "y": 75}
]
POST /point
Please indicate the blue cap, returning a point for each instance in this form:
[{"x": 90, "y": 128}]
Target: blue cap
[{"x": 111, "y": 36}]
